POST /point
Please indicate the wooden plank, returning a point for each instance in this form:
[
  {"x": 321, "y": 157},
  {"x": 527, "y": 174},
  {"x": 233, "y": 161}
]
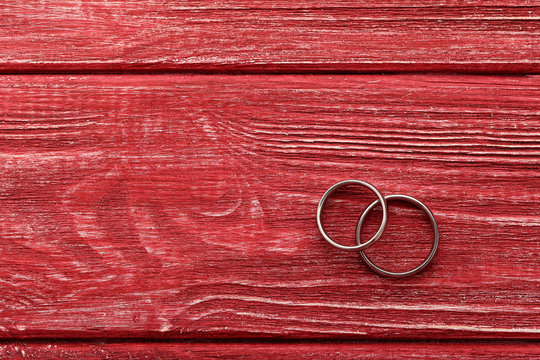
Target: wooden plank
[
  {"x": 270, "y": 36},
  {"x": 184, "y": 206},
  {"x": 164, "y": 351}
]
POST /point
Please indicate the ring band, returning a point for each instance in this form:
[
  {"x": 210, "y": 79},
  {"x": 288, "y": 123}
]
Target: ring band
[
  {"x": 381, "y": 199},
  {"x": 420, "y": 205}
]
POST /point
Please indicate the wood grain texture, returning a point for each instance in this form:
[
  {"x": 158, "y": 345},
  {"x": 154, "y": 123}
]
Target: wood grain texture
[
  {"x": 184, "y": 206},
  {"x": 164, "y": 351},
  {"x": 270, "y": 36}
]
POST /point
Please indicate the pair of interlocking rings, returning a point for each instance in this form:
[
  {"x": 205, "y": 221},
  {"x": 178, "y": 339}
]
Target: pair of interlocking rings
[{"x": 364, "y": 246}]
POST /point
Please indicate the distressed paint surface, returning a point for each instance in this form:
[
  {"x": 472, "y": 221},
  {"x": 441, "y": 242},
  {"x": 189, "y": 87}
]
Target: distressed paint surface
[
  {"x": 184, "y": 206},
  {"x": 135, "y": 351},
  {"x": 269, "y": 36},
  {"x": 172, "y": 208}
]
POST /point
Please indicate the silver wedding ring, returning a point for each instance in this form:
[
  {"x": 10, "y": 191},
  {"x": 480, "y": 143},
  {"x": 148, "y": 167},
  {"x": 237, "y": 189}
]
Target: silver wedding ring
[
  {"x": 375, "y": 237},
  {"x": 364, "y": 246}
]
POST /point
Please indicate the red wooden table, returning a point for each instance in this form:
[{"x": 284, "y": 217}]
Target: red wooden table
[{"x": 162, "y": 161}]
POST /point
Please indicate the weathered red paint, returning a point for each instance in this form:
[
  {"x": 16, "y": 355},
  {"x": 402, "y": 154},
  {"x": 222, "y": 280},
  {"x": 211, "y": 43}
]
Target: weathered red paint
[
  {"x": 270, "y": 36},
  {"x": 308, "y": 350},
  {"x": 184, "y": 206}
]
